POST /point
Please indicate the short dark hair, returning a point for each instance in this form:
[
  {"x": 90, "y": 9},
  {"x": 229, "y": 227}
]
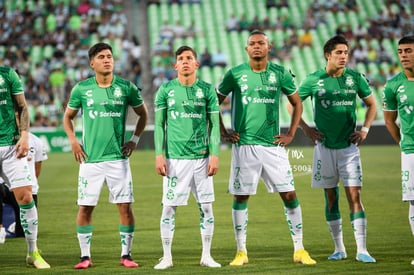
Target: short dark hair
[
  {"x": 332, "y": 42},
  {"x": 406, "y": 40},
  {"x": 98, "y": 47},
  {"x": 253, "y": 32},
  {"x": 182, "y": 49}
]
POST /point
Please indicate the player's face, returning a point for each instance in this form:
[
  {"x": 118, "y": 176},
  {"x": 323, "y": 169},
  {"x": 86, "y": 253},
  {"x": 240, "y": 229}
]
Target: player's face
[
  {"x": 186, "y": 63},
  {"x": 406, "y": 55},
  {"x": 103, "y": 62},
  {"x": 257, "y": 46},
  {"x": 338, "y": 57}
]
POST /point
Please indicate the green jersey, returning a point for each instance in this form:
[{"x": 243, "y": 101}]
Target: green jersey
[
  {"x": 335, "y": 103},
  {"x": 255, "y": 101},
  {"x": 190, "y": 116},
  {"x": 398, "y": 96},
  {"x": 104, "y": 111},
  {"x": 10, "y": 85}
]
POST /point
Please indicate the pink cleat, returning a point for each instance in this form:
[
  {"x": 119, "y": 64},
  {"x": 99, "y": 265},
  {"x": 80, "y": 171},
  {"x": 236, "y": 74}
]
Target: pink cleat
[
  {"x": 84, "y": 263},
  {"x": 127, "y": 261}
]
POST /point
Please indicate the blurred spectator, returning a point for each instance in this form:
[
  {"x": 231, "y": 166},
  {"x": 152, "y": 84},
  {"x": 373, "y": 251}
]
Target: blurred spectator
[
  {"x": 305, "y": 40},
  {"x": 158, "y": 80},
  {"x": 57, "y": 83},
  {"x": 206, "y": 59},
  {"x": 219, "y": 59},
  {"x": 232, "y": 24}
]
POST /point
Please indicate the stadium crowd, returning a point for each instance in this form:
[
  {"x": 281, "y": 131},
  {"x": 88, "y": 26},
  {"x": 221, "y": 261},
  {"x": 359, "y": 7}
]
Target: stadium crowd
[{"x": 47, "y": 41}]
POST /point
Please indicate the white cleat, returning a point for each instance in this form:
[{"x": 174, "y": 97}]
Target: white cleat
[
  {"x": 209, "y": 262},
  {"x": 164, "y": 263}
]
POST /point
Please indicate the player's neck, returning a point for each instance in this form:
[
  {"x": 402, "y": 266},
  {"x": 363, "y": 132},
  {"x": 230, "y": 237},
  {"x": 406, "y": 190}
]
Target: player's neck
[
  {"x": 187, "y": 80},
  {"x": 104, "y": 81},
  {"x": 409, "y": 73},
  {"x": 258, "y": 65},
  {"x": 334, "y": 72}
]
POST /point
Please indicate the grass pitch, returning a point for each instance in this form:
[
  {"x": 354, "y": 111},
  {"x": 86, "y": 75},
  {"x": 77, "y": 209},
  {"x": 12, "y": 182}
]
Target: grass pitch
[{"x": 268, "y": 241}]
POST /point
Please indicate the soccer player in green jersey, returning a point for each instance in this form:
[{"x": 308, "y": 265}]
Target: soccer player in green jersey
[
  {"x": 187, "y": 115},
  {"x": 14, "y": 147},
  {"x": 334, "y": 91},
  {"x": 103, "y": 155},
  {"x": 259, "y": 146},
  {"x": 398, "y": 100}
]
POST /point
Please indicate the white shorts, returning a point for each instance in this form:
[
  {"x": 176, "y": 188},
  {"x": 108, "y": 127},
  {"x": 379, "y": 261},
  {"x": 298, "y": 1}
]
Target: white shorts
[
  {"x": 332, "y": 165},
  {"x": 252, "y": 162},
  {"x": 407, "y": 178},
  {"x": 185, "y": 175},
  {"x": 14, "y": 171},
  {"x": 116, "y": 174}
]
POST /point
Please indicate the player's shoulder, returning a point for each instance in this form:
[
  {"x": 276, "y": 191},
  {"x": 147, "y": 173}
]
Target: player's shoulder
[
  {"x": 121, "y": 81},
  {"x": 276, "y": 67},
  {"x": 203, "y": 84},
  {"x": 354, "y": 73},
  {"x": 395, "y": 81}
]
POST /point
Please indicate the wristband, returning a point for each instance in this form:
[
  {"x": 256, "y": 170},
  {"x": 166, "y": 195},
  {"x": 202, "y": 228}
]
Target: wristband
[
  {"x": 134, "y": 139},
  {"x": 364, "y": 129}
]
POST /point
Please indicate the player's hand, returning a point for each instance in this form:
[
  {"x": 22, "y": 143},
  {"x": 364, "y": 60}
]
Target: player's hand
[
  {"x": 213, "y": 166},
  {"x": 78, "y": 153},
  {"x": 230, "y": 136},
  {"x": 283, "y": 140},
  {"x": 358, "y": 137},
  {"x": 128, "y": 148},
  {"x": 160, "y": 165},
  {"x": 22, "y": 146},
  {"x": 314, "y": 135}
]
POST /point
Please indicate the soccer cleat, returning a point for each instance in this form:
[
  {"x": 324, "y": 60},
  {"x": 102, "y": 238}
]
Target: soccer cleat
[
  {"x": 85, "y": 263},
  {"x": 365, "y": 258},
  {"x": 209, "y": 262},
  {"x": 337, "y": 256},
  {"x": 3, "y": 235},
  {"x": 164, "y": 263},
  {"x": 240, "y": 259},
  {"x": 36, "y": 260},
  {"x": 127, "y": 261},
  {"x": 302, "y": 256}
]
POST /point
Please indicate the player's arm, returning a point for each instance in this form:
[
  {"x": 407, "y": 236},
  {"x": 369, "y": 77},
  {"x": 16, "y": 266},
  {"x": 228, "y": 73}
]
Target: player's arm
[
  {"x": 297, "y": 109},
  {"x": 142, "y": 112},
  {"x": 159, "y": 134},
  {"x": 214, "y": 146},
  {"x": 38, "y": 168},
  {"x": 77, "y": 150},
  {"x": 361, "y": 135},
  {"x": 390, "y": 118},
  {"x": 228, "y": 136},
  {"x": 22, "y": 113}
]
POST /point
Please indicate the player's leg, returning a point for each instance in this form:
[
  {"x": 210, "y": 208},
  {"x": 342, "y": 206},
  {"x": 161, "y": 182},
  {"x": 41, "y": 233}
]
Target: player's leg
[
  {"x": 334, "y": 220},
  {"x": 119, "y": 181},
  {"x": 90, "y": 181},
  {"x": 277, "y": 176},
  {"x": 350, "y": 171},
  {"x": 203, "y": 191},
  {"x": 14, "y": 168},
  {"x": 207, "y": 230},
  {"x": 407, "y": 170},
  {"x": 167, "y": 228},
  {"x": 178, "y": 181},
  {"x": 2, "y": 229},
  {"x": 246, "y": 165},
  {"x": 126, "y": 232},
  {"x": 84, "y": 229},
  {"x": 359, "y": 224},
  {"x": 240, "y": 218}
]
